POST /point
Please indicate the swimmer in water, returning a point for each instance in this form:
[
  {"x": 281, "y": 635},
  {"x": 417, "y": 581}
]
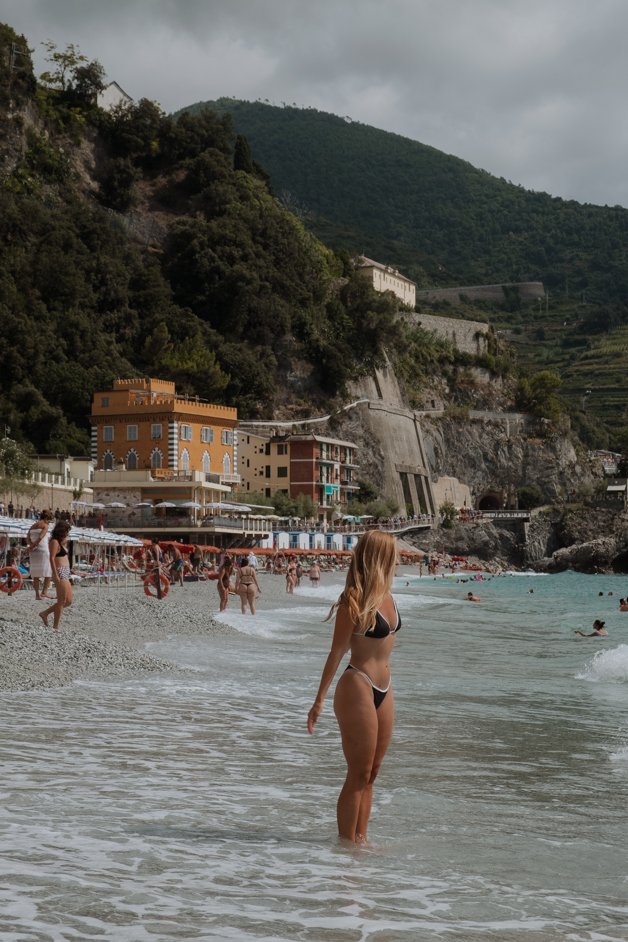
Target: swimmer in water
[
  {"x": 623, "y": 605},
  {"x": 599, "y": 631},
  {"x": 470, "y": 597}
]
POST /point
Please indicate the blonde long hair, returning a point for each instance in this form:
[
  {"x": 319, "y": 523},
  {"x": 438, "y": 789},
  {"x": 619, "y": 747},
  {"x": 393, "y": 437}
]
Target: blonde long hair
[{"x": 369, "y": 578}]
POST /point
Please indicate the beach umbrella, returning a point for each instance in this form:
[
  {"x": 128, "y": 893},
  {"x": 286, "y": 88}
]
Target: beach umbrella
[
  {"x": 165, "y": 503},
  {"x": 144, "y": 503},
  {"x": 95, "y": 506},
  {"x": 192, "y": 504},
  {"x": 116, "y": 503}
]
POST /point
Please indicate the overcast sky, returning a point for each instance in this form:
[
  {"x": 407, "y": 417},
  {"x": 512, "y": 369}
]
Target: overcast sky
[{"x": 532, "y": 90}]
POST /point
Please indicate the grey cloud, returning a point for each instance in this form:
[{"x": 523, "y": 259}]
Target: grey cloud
[{"x": 529, "y": 89}]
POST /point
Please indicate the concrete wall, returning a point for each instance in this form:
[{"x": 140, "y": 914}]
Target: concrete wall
[
  {"x": 528, "y": 291},
  {"x": 390, "y": 442},
  {"x": 451, "y": 489},
  {"x": 466, "y": 336}
]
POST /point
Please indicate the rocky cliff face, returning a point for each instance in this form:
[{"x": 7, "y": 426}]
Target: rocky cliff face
[
  {"x": 496, "y": 455},
  {"x": 584, "y": 539}
]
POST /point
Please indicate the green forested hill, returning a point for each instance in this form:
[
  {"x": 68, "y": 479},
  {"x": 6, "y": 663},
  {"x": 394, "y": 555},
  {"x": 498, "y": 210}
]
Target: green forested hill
[
  {"x": 444, "y": 222},
  {"x": 435, "y": 216},
  {"x": 134, "y": 243}
]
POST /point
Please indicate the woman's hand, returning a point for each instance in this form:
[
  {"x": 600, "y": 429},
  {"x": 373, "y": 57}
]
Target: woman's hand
[{"x": 313, "y": 716}]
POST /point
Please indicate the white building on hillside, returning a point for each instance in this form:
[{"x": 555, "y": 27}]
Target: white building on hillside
[
  {"x": 112, "y": 97},
  {"x": 386, "y": 278}
]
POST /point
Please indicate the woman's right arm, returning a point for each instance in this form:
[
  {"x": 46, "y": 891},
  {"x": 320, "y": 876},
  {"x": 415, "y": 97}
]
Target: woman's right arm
[{"x": 343, "y": 629}]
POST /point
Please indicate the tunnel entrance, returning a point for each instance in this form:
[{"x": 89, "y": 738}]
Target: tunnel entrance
[
  {"x": 620, "y": 563},
  {"x": 490, "y": 501}
]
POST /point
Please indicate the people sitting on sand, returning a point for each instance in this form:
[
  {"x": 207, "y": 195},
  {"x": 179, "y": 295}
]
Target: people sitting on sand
[
  {"x": 599, "y": 631},
  {"x": 623, "y": 605},
  {"x": 470, "y": 597}
]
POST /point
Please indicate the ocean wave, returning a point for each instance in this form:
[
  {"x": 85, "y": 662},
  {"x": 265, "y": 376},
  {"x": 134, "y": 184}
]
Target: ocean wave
[{"x": 607, "y": 666}]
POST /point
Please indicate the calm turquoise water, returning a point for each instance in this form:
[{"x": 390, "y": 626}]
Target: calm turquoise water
[{"x": 197, "y": 807}]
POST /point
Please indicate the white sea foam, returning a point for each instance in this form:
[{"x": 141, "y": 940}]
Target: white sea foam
[
  {"x": 607, "y": 666},
  {"x": 620, "y": 755},
  {"x": 195, "y": 806}
]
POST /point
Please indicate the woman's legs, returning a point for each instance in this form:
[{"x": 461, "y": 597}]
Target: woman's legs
[
  {"x": 223, "y": 594},
  {"x": 243, "y": 593},
  {"x": 63, "y": 600},
  {"x": 44, "y": 592},
  {"x": 251, "y": 592},
  {"x": 358, "y": 722},
  {"x": 385, "y": 718}
]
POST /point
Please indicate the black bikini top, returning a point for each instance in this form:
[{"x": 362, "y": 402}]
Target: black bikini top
[
  {"x": 62, "y": 552},
  {"x": 380, "y": 627}
]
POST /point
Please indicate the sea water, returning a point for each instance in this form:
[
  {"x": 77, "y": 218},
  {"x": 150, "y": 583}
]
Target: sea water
[{"x": 195, "y": 806}]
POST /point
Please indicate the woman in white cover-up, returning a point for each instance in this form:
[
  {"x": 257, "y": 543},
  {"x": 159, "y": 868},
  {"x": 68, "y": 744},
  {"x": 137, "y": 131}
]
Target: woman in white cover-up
[{"x": 39, "y": 554}]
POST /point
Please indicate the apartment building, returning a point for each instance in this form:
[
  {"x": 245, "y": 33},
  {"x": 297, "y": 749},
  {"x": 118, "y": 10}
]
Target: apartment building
[
  {"x": 143, "y": 424},
  {"x": 324, "y": 468},
  {"x": 263, "y": 463},
  {"x": 321, "y": 467}
]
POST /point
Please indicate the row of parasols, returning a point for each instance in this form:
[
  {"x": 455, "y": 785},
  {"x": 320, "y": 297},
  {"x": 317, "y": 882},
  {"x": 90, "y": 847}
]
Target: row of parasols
[{"x": 185, "y": 505}]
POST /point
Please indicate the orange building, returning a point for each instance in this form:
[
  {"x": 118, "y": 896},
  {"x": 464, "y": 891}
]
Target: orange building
[{"x": 143, "y": 424}]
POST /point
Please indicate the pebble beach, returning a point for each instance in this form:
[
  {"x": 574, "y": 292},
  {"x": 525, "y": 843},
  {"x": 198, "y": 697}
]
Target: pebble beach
[{"x": 103, "y": 634}]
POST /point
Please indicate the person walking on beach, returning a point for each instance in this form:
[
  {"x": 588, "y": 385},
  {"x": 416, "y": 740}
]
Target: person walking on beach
[
  {"x": 225, "y": 572},
  {"x": 367, "y": 621},
  {"x": 176, "y": 566},
  {"x": 60, "y": 565},
  {"x": 38, "y": 548},
  {"x": 247, "y": 586},
  {"x": 315, "y": 574}
]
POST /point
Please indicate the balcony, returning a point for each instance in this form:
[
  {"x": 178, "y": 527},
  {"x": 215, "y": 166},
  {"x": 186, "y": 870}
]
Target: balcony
[{"x": 229, "y": 478}]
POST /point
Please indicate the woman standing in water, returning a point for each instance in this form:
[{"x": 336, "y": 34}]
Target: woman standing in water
[
  {"x": 247, "y": 586},
  {"x": 367, "y": 621},
  {"x": 60, "y": 564}
]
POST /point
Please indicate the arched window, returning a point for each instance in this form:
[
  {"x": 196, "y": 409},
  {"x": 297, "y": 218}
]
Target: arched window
[
  {"x": 156, "y": 459},
  {"x": 131, "y": 460},
  {"x": 226, "y": 464},
  {"x": 185, "y": 460},
  {"x": 108, "y": 461},
  {"x": 206, "y": 462}
]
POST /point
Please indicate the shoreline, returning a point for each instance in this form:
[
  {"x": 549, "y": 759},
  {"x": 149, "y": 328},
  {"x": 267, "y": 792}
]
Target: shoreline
[{"x": 104, "y": 633}]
